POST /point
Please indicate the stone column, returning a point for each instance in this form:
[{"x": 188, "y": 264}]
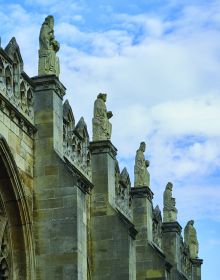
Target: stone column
[
  {"x": 60, "y": 223},
  {"x": 112, "y": 234},
  {"x": 171, "y": 243},
  {"x": 196, "y": 269}
]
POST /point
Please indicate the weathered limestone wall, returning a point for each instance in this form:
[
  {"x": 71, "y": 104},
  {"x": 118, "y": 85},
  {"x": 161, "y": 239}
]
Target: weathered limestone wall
[
  {"x": 113, "y": 250},
  {"x": 60, "y": 217},
  {"x": 150, "y": 260},
  {"x": 21, "y": 145},
  {"x": 16, "y": 163}
]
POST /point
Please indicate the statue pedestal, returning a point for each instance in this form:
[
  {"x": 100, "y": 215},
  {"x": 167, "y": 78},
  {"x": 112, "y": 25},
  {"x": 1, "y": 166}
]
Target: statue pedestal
[
  {"x": 143, "y": 211},
  {"x": 196, "y": 268},
  {"x": 48, "y": 63},
  {"x": 145, "y": 250},
  {"x": 112, "y": 234},
  {"x": 171, "y": 243}
]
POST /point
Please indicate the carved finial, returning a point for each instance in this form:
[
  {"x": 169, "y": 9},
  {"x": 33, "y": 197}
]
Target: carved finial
[
  {"x": 141, "y": 174},
  {"x": 102, "y": 128},
  {"x": 169, "y": 203},
  {"x": 190, "y": 239},
  {"x": 48, "y": 61},
  {"x": 125, "y": 178},
  {"x": 157, "y": 211}
]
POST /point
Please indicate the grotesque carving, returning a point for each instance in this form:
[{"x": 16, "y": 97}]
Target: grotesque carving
[
  {"x": 48, "y": 61},
  {"x": 141, "y": 174},
  {"x": 102, "y": 128},
  {"x": 190, "y": 238},
  {"x": 169, "y": 210}
]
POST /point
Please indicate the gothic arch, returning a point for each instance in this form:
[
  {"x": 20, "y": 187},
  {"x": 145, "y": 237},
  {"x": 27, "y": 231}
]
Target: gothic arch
[{"x": 16, "y": 212}]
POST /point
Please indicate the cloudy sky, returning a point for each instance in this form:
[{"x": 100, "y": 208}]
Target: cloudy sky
[{"x": 159, "y": 62}]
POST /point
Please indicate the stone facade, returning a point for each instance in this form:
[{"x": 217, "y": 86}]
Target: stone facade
[{"x": 66, "y": 209}]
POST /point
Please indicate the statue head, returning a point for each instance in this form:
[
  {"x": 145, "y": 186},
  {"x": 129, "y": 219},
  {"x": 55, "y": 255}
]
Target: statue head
[
  {"x": 49, "y": 20},
  {"x": 191, "y": 222},
  {"x": 169, "y": 186},
  {"x": 102, "y": 96},
  {"x": 147, "y": 163},
  {"x": 142, "y": 146}
]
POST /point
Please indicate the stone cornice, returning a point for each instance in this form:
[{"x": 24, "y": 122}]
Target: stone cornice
[
  {"x": 131, "y": 228},
  {"x": 49, "y": 82},
  {"x": 14, "y": 114},
  {"x": 158, "y": 249},
  {"x": 141, "y": 192},
  {"x": 82, "y": 182},
  {"x": 103, "y": 147},
  {"x": 171, "y": 227},
  {"x": 197, "y": 262}
]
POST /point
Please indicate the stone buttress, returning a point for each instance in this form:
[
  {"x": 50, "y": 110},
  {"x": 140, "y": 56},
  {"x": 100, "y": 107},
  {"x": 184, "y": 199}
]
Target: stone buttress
[{"x": 60, "y": 211}]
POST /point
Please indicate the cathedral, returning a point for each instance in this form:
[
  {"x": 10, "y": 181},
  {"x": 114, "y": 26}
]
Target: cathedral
[{"x": 67, "y": 209}]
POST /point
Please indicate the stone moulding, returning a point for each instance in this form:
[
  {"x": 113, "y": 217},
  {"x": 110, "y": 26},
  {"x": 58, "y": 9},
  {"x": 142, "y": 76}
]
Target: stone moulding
[
  {"x": 49, "y": 82},
  {"x": 158, "y": 249},
  {"x": 139, "y": 192},
  {"x": 172, "y": 227},
  {"x": 131, "y": 228},
  {"x": 15, "y": 84},
  {"x": 82, "y": 181},
  {"x": 104, "y": 146},
  {"x": 14, "y": 114}
]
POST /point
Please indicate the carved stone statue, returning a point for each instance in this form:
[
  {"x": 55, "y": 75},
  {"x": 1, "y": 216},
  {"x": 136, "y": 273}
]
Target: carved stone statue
[
  {"x": 190, "y": 238},
  {"x": 141, "y": 174},
  {"x": 48, "y": 61},
  {"x": 169, "y": 210},
  {"x": 102, "y": 128}
]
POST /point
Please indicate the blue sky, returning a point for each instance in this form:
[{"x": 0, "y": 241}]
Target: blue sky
[{"x": 159, "y": 62}]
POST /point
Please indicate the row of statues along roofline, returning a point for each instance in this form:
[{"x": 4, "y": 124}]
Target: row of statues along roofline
[{"x": 102, "y": 130}]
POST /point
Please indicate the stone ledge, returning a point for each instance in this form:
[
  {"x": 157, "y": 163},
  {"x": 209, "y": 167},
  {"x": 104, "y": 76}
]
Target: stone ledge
[
  {"x": 103, "y": 147},
  {"x": 49, "y": 82},
  {"x": 82, "y": 182},
  {"x": 171, "y": 227},
  {"x": 197, "y": 262},
  {"x": 25, "y": 124},
  {"x": 131, "y": 227},
  {"x": 141, "y": 192}
]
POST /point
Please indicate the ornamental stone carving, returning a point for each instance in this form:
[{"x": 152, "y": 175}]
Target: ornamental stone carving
[
  {"x": 141, "y": 174},
  {"x": 123, "y": 188},
  {"x": 157, "y": 226},
  {"x": 169, "y": 209},
  {"x": 15, "y": 85},
  {"x": 48, "y": 61},
  {"x": 190, "y": 238},
  {"x": 102, "y": 128},
  {"x": 76, "y": 141}
]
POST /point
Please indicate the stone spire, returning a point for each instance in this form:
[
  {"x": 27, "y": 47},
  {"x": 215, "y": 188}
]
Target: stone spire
[
  {"x": 48, "y": 63},
  {"x": 169, "y": 205}
]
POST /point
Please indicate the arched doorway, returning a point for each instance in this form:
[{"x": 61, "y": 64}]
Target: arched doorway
[{"x": 16, "y": 249}]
